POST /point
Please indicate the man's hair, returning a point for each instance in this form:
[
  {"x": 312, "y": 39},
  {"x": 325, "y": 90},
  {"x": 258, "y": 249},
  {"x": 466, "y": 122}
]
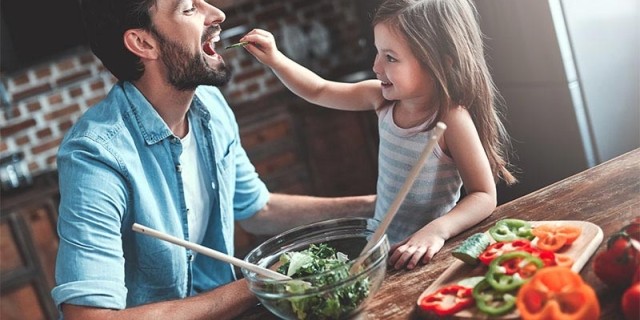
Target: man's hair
[{"x": 106, "y": 22}]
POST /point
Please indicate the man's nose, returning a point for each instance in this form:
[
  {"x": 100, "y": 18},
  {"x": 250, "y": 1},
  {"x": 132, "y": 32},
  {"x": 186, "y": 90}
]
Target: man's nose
[{"x": 214, "y": 15}]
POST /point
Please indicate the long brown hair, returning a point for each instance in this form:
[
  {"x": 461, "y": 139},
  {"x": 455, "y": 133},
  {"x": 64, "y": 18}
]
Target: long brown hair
[{"x": 445, "y": 36}]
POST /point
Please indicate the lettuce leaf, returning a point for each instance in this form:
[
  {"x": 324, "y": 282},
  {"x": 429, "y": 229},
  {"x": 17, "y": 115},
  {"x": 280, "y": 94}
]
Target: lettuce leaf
[{"x": 318, "y": 259}]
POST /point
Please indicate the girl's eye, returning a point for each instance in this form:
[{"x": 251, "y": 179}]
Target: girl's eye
[
  {"x": 190, "y": 10},
  {"x": 391, "y": 59}
]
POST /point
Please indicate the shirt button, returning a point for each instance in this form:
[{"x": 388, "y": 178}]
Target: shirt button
[
  {"x": 178, "y": 168},
  {"x": 188, "y": 211},
  {"x": 213, "y": 185}
]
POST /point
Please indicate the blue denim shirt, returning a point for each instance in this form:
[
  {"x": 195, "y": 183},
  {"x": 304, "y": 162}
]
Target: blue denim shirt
[{"x": 119, "y": 164}]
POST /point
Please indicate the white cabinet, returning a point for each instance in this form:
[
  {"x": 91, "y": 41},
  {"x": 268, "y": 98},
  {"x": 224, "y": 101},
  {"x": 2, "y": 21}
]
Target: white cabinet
[{"x": 569, "y": 72}]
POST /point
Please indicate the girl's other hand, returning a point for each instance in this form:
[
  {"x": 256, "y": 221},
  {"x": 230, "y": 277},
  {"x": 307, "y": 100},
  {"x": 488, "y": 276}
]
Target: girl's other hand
[{"x": 419, "y": 247}]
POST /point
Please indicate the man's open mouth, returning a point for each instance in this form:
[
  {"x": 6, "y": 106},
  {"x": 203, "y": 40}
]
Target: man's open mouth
[
  {"x": 209, "y": 39},
  {"x": 209, "y": 46}
]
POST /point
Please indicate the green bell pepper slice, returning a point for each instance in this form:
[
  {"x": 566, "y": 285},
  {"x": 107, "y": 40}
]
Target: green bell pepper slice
[
  {"x": 511, "y": 229},
  {"x": 493, "y": 302},
  {"x": 511, "y": 270}
]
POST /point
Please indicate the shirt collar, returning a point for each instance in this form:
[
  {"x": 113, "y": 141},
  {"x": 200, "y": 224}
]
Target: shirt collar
[{"x": 152, "y": 126}]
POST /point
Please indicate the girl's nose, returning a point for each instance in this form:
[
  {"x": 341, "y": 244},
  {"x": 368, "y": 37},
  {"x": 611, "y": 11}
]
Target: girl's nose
[
  {"x": 214, "y": 15},
  {"x": 376, "y": 68}
]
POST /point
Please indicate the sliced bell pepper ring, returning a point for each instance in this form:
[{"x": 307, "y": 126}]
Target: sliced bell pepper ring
[
  {"x": 551, "y": 243},
  {"x": 564, "y": 260},
  {"x": 553, "y": 237},
  {"x": 548, "y": 257},
  {"x": 491, "y": 301},
  {"x": 557, "y": 293},
  {"x": 511, "y": 270},
  {"x": 499, "y": 248},
  {"x": 448, "y": 300},
  {"x": 511, "y": 229}
]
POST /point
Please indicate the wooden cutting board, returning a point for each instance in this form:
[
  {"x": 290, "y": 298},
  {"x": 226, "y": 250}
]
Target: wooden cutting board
[{"x": 580, "y": 250}]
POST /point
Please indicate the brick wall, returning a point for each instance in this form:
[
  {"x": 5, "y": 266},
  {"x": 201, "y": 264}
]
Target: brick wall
[{"x": 47, "y": 99}]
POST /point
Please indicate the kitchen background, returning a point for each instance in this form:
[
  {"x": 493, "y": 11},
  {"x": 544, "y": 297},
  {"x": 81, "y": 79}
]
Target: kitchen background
[{"x": 569, "y": 71}]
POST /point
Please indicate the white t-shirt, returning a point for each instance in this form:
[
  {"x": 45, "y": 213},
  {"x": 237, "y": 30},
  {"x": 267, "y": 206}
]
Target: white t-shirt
[{"x": 195, "y": 189}]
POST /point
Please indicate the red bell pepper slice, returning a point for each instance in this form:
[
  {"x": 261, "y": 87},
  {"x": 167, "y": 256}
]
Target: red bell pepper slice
[
  {"x": 448, "y": 300},
  {"x": 549, "y": 258},
  {"x": 499, "y": 248}
]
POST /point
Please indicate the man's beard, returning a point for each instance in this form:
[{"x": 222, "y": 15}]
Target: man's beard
[{"x": 186, "y": 71}]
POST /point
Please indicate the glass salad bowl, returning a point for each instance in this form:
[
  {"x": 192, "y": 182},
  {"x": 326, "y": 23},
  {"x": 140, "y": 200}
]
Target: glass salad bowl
[{"x": 319, "y": 257}]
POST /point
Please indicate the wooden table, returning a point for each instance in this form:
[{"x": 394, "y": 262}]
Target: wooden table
[{"x": 607, "y": 195}]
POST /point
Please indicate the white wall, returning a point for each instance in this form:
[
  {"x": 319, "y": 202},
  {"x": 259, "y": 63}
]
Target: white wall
[
  {"x": 605, "y": 37},
  {"x": 568, "y": 106}
]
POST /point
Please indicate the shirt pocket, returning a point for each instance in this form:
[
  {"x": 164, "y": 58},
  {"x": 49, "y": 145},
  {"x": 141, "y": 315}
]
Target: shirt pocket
[{"x": 226, "y": 169}]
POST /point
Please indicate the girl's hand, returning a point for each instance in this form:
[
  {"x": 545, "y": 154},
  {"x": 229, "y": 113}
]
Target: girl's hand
[
  {"x": 262, "y": 45},
  {"x": 419, "y": 247}
]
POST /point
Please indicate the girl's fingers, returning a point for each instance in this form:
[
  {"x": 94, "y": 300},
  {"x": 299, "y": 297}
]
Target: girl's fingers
[
  {"x": 431, "y": 251},
  {"x": 404, "y": 257},
  {"x": 416, "y": 257}
]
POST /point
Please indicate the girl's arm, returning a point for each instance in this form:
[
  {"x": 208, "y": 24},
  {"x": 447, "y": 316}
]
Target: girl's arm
[
  {"x": 364, "y": 95},
  {"x": 461, "y": 141},
  {"x": 463, "y": 144}
]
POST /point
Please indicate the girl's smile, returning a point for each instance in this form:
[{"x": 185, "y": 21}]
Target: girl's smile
[{"x": 402, "y": 75}]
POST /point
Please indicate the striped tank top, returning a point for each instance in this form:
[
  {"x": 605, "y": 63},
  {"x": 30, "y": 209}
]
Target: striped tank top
[{"x": 435, "y": 191}]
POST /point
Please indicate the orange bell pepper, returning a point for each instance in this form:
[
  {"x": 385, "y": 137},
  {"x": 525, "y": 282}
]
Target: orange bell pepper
[
  {"x": 557, "y": 293},
  {"x": 564, "y": 260},
  {"x": 553, "y": 237}
]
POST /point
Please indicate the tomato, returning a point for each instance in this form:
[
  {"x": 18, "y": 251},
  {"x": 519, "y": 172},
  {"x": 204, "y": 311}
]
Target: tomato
[
  {"x": 617, "y": 264},
  {"x": 636, "y": 275},
  {"x": 631, "y": 302},
  {"x": 633, "y": 229}
]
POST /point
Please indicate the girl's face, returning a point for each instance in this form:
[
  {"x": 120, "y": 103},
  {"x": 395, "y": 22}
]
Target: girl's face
[{"x": 402, "y": 75}]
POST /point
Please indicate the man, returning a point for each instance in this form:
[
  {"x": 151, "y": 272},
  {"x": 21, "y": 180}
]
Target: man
[{"x": 163, "y": 150}]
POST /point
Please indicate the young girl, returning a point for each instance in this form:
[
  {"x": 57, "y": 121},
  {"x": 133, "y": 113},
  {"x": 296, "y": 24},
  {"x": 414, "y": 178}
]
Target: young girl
[{"x": 430, "y": 67}]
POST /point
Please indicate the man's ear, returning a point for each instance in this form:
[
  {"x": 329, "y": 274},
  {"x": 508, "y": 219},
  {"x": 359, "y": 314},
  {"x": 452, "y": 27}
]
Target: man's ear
[{"x": 141, "y": 43}]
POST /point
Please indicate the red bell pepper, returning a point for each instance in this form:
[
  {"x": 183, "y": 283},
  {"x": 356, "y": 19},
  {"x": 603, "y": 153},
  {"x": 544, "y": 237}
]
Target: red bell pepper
[
  {"x": 511, "y": 270},
  {"x": 548, "y": 257},
  {"x": 499, "y": 248},
  {"x": 448, "y": 300}
]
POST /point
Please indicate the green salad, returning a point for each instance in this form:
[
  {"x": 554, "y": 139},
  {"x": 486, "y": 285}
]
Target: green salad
[{"x": 334, "y": 267}]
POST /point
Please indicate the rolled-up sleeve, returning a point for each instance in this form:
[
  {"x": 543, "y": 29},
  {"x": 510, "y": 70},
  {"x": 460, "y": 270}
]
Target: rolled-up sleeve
[
  {"x": 90, "y": 264},
  {"x": 251, "y": 192}
]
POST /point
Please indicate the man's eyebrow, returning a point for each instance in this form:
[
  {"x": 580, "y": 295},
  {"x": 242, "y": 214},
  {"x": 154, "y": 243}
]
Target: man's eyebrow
[{"x": 177, "y": 4}]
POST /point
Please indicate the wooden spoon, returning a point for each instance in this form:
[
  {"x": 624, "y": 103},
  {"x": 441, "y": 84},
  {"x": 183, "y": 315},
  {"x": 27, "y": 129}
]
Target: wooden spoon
[
  {"x": 393, "y": 209},
  {"x": 210, "y": 252}
]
